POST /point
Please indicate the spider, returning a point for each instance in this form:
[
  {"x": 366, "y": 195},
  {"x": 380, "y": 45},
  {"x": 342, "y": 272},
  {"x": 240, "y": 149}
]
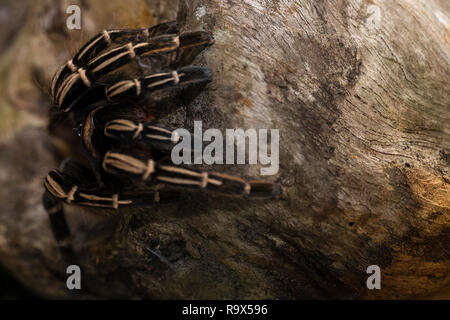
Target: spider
[{"x": 105, "y": 101}]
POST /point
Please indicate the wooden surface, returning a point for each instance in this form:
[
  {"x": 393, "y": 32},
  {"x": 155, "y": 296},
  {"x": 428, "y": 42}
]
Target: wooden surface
[{"x": 360, "y": 93}]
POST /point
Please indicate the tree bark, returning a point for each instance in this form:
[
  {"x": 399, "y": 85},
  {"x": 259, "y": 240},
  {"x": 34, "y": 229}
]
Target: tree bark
[{"x": 360, "y": 93}]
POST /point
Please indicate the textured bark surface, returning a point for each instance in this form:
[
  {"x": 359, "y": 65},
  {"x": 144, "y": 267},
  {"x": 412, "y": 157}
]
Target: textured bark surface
[{"x": 360, "y": 93}]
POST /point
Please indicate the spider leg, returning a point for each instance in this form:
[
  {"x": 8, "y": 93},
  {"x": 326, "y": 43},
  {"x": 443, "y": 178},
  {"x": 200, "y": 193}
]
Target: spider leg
[
  {"x": 162, "y": 48},
  {"x": 119, "y": 162},
  {"x": 84, "y": 77},
  {"x": 59, "y": 227},
  {"x": 62, "y": 187},
  {"x": 193, "y": 43},
  {"x": 103, "y": 123},
  {"x": 102, "y": 41},
  {"x": 74, "y": 184},
  {"x": 183, "y": 79},
  {"x": 54, "y": 207},
  {"x": 153, "y": 136}
]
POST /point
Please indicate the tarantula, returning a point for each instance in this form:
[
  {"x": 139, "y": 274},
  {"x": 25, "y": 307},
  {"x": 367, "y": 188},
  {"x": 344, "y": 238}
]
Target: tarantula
[{"x": 108, "y": 96}]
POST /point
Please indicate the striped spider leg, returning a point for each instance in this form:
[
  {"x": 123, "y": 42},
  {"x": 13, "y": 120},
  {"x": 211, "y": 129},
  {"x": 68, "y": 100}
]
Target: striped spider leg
[
  {"x": 75, "y": 184},
  {"x": 164, "y": 51},
  {"x": 133, "y": 89},
  {"x": 139, "y": 165},
  {"x": 120, "y": 162},
  {"x": 103, "y": 40}
]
